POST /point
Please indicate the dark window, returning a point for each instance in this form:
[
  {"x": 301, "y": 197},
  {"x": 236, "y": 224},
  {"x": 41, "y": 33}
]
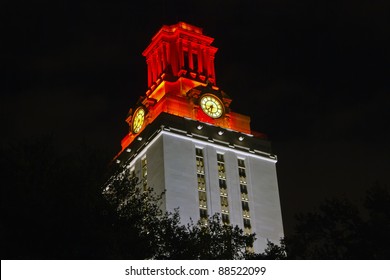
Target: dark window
[
  {"x": 222, "y": 184},
  {"x": 195, "y": 61},
  {"x": 245, "y": 206},
  {"x": 247, "y": 223},
  {"x": 243, "y": 189},
  {"x": 225, "y": 219},
  {"x": 241, "y": 172},
  {"x": 203, "y": 214},
  {"x": 185, "y": 59}
]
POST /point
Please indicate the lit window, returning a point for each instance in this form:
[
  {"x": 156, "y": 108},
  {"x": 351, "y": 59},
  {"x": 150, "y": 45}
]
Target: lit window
[
  {"x": 223, "y": 188},
  {"x": 244, "y": 197},
  {"x": 200, "y": 174},
  {"x": 203, "y": 216},
  {"x": 199, "y": 165},
  {"x": 224, "y": 201},
  {"x": 201, "y": 182},
  {"x": 221, "y": 170}
]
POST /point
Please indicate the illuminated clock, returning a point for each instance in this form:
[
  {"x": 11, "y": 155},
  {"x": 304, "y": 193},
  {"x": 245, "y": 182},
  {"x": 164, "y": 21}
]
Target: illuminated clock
[
  {"x": 138, "y": 119},
  {"x": 211, "y": 105}
]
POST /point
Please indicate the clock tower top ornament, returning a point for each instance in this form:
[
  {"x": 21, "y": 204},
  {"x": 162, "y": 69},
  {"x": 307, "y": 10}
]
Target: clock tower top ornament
[{"x": 181, "y": 82}]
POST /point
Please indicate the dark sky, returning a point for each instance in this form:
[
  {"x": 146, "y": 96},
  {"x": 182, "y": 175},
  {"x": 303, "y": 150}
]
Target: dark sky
[{"x": 313, "y": 75}]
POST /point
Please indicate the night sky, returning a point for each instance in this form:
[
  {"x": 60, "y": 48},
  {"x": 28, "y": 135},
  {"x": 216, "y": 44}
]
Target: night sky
[{"x": 313, "y": 76}]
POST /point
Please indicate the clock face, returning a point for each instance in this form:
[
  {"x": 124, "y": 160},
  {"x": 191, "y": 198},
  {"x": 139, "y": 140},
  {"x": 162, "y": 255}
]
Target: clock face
[
  {"x": 138, "y": 119},
  {"x": 211, "y": 105}
]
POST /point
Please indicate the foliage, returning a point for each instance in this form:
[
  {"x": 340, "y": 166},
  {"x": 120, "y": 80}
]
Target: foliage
[
  {"x": 161, "y": 235},
  {"x": 273, "y": 251},
  {"x": 53, "y": 208},
  {"x": 340, "y": 230}
]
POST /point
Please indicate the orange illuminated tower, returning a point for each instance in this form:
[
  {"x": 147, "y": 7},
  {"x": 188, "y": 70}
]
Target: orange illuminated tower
[{"x": 184, "y": 138}]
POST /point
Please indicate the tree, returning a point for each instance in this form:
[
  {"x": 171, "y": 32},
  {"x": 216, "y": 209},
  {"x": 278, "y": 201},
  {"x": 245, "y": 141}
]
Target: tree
[
  {"x": 54, "y": 207},
  {"x": 147, "y": 232},
  {"x": 338, "y": 229},
  {"x": 376, "y": 229},
  {"x": 272, "y": 252}
]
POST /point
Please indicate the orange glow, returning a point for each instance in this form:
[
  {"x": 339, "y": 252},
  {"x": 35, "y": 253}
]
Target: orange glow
[
  {"x": 180, "y": 60},
  {"x": 180, "y": 47}
]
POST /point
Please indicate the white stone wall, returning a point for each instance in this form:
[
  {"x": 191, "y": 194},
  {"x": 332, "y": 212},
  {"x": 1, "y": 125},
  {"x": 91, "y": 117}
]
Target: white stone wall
[
  {"x": 172, "y": 166},
  {"x": 155, "y": 167},
  {"x": 264, "y": 202},
  {"x": 180, "y": 177}
]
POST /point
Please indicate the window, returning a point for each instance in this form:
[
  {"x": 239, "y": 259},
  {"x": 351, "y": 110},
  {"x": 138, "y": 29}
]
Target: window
[
  {"x": 243, "y": 189},
  {"x": 244, "y": 197},
  {"x": 202, "y": 199},
  {"x": 200, "y": 174},
  {"x": 199, "y": 165},
  {"x": 247, "y": 226},
  {"x": 247, "y": 223},
  {"x": 223, "y": 188},
  {"x": 225, "y": 219},
  {"x": 201, "y": 182},
  {"x": 203, "y": 213},
  {"x": 134, "y": 179},
  {"x": 242, "y": 174},
  {"x": 203, "y": 216},
  {"x": 224, "y": 201},
  {"x": 245, "y": 205},
  {"x": 224, "y": 205},
  {"x": 221, "y": 170},
  {"x": 185, "y": 53},
  {"x": 144, "y": 164},
  {"x": 195, "y": 62}
]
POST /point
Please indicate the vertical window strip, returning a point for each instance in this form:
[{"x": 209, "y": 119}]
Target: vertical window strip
[
  {"x": 133, "y": 178},
  {"x": 244, "y": 197},
  {"x": 202, "y": 195},
  {"x": 223, "y": 189},
  {"x": 144, "y": 168}
]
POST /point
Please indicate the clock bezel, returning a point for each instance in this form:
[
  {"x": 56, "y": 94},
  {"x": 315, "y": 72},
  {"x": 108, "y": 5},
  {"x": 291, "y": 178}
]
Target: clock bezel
[
  {"x": 134, "y": 117},
  {"x": 215, "y": 99}
]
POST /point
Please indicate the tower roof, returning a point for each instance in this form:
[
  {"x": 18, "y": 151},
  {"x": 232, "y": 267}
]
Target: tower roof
[{"x": 179, "y": 30}]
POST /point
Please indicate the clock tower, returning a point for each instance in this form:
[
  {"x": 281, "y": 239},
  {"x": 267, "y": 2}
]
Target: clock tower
[{"x": 184, "y": 138}]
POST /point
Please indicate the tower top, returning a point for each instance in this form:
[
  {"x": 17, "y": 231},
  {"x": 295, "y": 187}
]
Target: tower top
[
  {"x": 180, "y": 26},
  {"x": 180, "y": 50},
  {"x": 181, "y": 86},
  {"x": 181, "y": 29}
]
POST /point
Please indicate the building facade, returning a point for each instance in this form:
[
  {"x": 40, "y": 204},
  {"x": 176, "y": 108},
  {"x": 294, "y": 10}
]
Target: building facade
[{"x": 185, "y": 140}]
